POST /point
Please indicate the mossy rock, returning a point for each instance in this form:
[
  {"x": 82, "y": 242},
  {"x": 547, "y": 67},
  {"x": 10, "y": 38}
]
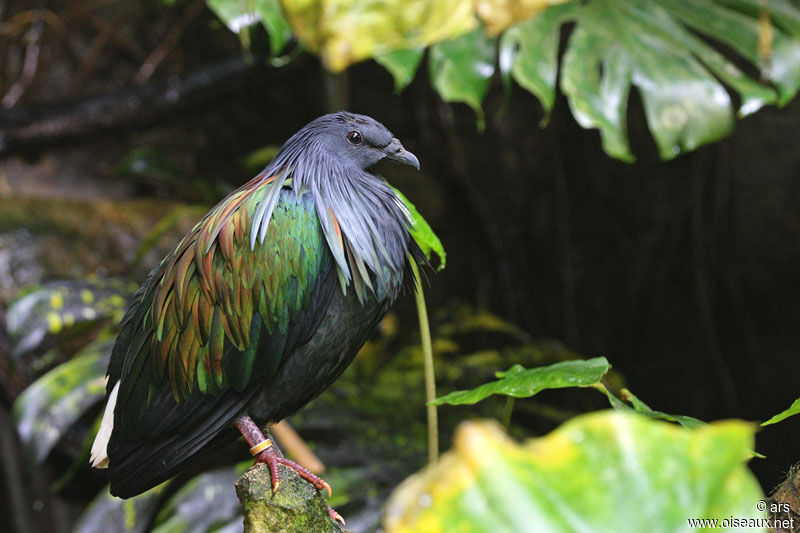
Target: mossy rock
[{"x": 296, "y": 507}]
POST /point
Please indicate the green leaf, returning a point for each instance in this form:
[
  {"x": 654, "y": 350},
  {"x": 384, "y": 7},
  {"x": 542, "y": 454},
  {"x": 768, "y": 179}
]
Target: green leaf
[
  {"x": 423, "y": 234},
  {"x": 783, "y": 415},
  {"x": 638, "y": 406},
  {"x": 236, "y": 14},
  {"x": 343, "y": 32},
  {"x": 602, "y": 472},
  {"x": 741, "y": 33},
  {"x": 520, "y": 382},
  {"x": 529, "y": 53},
  {"x": 240, "y": 14},
  {"x": 59, "y": 306},
  {"x": 461, "y": 69},
  {"x": 54, "y": 402},
  {"x": 274, "y": 20},
  {"x": 655, "y": 47},
  {"x": 402, "y": 65}
]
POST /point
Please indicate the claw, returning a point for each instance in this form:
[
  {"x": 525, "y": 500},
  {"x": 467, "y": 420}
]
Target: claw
[
  {"x": 336, "y": 516},
  {"x": 263, "y": 451}
]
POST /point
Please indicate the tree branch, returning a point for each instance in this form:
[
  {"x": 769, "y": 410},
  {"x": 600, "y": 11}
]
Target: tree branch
[{"x": 22, "y": 129}]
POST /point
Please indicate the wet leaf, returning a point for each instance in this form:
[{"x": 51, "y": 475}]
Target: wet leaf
[
  {"x": 602, "y": 472},
  {"x": 402, "y": 65},
  {"x": 659, "y": 48},
  {"x": 529, "y": 53},
  {"x": 423, "y": 234},
  {"x": 652, "y": 46},
  {"x": 638, "y": 406},
  {"x": 54, "y": 402},
  {"x": 345, "y": 31},
  {"x": 520, "y": 382},
  {"x": 460, "y": 69},
  {"x": 741, "y": 32}
]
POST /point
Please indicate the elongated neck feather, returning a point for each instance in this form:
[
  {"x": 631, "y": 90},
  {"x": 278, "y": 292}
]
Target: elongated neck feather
[{"x": 364, "y": 222}]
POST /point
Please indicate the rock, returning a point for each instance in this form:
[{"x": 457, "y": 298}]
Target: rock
[{"x": 296, "y": 507}]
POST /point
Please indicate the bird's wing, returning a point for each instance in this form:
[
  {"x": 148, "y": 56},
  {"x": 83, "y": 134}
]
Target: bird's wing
[{"x": 210, "y": 326}]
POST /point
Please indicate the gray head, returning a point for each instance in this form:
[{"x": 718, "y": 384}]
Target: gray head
[
  {"x": 350, "y": 139},
  {"x": 365, "y": 224}
]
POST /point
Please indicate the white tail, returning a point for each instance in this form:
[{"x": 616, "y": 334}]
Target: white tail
[{"x": 99, "y": 457}]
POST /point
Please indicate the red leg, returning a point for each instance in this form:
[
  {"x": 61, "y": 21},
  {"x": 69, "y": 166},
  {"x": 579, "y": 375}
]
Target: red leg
[{"x": 262, "y": 449}]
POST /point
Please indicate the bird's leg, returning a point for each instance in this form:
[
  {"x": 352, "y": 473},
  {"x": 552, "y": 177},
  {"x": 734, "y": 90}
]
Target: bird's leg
[{"x": 264, "y": 451}]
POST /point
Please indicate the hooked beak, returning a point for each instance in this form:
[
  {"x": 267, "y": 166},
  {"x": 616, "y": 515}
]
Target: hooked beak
[{"x": 395, "y": 152}]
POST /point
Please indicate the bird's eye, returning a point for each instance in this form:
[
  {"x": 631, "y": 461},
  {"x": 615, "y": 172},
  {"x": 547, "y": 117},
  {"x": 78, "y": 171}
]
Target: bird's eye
[{"x": 355, "y": 138}]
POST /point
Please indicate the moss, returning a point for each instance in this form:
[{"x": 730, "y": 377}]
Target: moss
[{"x": 295, "y": 507}]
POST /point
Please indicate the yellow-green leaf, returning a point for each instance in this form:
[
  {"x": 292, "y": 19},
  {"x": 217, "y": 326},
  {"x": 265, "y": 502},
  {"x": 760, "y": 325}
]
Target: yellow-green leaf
[
  {"x": 345, "y": 31},
  {"x": 497, "y": 15},
  {"x": 602, "y": 472},
  {"x": 55, "y": 401}
]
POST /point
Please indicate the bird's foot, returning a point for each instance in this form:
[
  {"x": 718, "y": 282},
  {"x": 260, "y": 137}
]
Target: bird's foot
[
  {"x": 336, "y": 517},
  {"x": 272, "y": 460}
]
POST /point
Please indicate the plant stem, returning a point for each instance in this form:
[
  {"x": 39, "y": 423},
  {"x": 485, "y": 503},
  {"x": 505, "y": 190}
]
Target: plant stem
[
  {"x": 507, "y": 411},
  {"x": 430, "y": 377}
]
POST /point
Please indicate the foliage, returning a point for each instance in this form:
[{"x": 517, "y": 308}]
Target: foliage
[
  {"x": 520, "y": 382},
  {"x": 73, "y": 384},
  {"x": 659, "y": 47},
  {"x": 56, "y": 306},
  {"x": 786, "y": 413},
  {"x": 423, "y": 234},
  {"x": 54, "y": 402},
  {"x": 638, "y": 406},
  {"x": 604, "y": 471}
]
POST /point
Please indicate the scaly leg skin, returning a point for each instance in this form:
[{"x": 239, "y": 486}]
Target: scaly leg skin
[{"x": 262, "y": 449}]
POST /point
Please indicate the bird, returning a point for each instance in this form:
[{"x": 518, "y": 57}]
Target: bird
[{"x": 260, "y": 307}]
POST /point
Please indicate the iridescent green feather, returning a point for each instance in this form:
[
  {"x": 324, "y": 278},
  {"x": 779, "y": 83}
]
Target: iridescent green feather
[{"x": 217, "y": 297}]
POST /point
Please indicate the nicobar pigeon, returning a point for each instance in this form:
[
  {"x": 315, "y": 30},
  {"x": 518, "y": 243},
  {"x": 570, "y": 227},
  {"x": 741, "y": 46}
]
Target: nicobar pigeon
[{"x": 261, "y": 306}]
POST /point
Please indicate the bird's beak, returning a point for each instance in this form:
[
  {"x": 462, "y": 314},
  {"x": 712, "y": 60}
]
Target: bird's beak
[{"x": 395, "y": 152}]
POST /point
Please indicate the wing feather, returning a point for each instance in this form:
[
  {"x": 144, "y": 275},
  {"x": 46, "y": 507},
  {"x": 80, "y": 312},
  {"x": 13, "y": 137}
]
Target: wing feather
[{"x": 210, "y": 326}]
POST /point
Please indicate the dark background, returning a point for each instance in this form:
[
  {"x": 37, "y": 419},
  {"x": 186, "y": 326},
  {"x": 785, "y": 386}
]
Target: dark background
[{"x": 684, "y": 274}]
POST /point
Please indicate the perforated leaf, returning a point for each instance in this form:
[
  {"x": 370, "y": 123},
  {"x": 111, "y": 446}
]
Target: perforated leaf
[{"x": 654, "y": 47}]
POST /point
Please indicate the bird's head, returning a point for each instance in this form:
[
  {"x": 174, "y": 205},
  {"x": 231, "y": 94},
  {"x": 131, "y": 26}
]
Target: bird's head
[
  {"x": 366, "y": 225},
  {"x": 356, "y": 140}
]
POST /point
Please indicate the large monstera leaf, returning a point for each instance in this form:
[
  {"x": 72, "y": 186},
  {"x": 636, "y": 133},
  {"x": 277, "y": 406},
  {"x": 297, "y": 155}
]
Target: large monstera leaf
[
  {"x": 684, "y": 57},
  {"x": 656, "y": 47}
]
